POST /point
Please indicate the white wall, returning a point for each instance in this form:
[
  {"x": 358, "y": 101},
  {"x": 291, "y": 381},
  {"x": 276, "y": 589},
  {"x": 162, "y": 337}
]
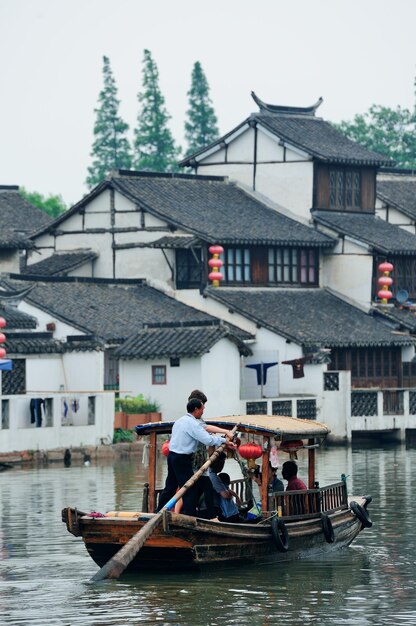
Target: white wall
[
  {"x": 349, "y": 272},
  {"x": 336, "y": 408},
  {"x": 217, "y": 373},
  {"x": 22, "y": 435}
]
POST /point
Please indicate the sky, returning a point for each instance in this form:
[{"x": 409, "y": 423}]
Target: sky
[{"x": 353, "y": 53}]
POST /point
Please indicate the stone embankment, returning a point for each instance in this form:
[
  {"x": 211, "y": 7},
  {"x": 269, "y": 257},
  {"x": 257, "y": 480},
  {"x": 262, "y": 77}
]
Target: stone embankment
[{"x": 77, "y": 454}]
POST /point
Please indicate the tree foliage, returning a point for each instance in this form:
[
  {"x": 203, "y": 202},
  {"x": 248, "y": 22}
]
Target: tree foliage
[
  {"x": 201, "y": 126},
  {"x": 111, "y": 148},
  {"x": 391, "y": 132},
  {"x": 154, "y": 146},
  {"x": 53, "y": 205}
]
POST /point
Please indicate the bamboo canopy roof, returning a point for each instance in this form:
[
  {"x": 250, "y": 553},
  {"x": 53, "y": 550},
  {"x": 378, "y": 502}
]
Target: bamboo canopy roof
[{"x": 278, "y": 426}]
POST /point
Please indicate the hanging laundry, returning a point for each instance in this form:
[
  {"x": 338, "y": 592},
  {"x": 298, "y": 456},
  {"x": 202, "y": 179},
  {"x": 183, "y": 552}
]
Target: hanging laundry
[
  {"x": 261, "y": 370},
  {"x": 36, "y": 411},
  {"x": 297, "y": 365}
]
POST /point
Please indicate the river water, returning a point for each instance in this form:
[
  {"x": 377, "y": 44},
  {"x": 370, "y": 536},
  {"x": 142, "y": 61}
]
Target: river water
[{"x": 45, "y": 572}]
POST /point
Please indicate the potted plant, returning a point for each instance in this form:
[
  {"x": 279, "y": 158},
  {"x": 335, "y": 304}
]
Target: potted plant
[{"x": 130, "y": 411}]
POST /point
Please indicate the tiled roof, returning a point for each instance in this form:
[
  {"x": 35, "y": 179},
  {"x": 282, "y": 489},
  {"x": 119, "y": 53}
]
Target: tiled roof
[
  {"x": 399, "y": 191},
  {"x": 18, "y": 218},
  {"x": 214, "y": 210},
  {"x": 403, "y": 316},
  {"x": 175, "y": 242},
  {"x": 44, "y": 343},
  {"x": 370, "y": 229},
  {"x": 310, "y": 317},
  {"x": 109, "y": 310},
  {"x": 208, "y": 207},
  {"x": 300, "y": 128},
  {"x": 59, "y": 263},
  {"x": 175, "y": 342},
  {"x": 16, "y": 319}
]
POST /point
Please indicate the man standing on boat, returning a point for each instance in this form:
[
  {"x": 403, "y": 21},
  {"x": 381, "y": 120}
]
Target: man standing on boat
[{"x": 186, "y": 433}]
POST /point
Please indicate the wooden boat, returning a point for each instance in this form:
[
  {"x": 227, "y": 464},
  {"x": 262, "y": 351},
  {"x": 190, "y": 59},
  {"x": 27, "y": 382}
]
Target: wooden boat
[{"x": 292, "y": 524}]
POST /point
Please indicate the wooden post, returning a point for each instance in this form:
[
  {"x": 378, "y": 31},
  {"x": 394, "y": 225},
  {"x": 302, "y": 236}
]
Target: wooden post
[
  {"x": 311, "y": 464},
  {"x": 265, "y": 475},
  {"x": 152, "y": 470}
]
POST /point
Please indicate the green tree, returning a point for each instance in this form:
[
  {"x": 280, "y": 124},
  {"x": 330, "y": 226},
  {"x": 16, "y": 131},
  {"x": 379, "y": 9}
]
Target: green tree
[
  {"x": 111, "y": 148},
  {"x": 201, "y": 126},
  {"x": 391, "y": 132},
  {"x": 53, "y": 205},
  {"x": 154, "y": 146}
]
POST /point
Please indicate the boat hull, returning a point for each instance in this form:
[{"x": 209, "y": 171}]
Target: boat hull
[{"x": 184, "y": 542}]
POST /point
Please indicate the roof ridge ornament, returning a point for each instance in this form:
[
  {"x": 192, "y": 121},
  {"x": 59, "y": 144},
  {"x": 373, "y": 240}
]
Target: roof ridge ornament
[{"x": 275, "y": 108}]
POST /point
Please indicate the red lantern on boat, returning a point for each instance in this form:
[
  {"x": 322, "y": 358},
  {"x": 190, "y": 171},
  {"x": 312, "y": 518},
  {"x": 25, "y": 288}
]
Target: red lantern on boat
[
  {"x": 292, "y": 448},
  {"x": 165, "y": 448},
  {"x": 251, "y": 452}
]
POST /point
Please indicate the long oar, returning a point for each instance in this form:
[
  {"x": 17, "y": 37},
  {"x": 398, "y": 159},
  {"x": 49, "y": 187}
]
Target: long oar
[{"x": 118, "y": 563}]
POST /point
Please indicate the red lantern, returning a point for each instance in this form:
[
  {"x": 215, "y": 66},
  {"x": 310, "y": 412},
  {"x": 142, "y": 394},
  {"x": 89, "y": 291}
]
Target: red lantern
[
  {"x": 385, "y": 281},
  {"x": 215, "y": 263},
  {"x": 250, "y": 451},
  {"x": 2, "y": 353},
  {"x": 215, "y": 276},
  {"x": 165, "y": 448},
  {"x": 2, "y": 337},
  {"x": 216, "y": 249},
  {"x": 2, "y": 322},
  {"x": 384, "y": 294},
  {"x": 386, "y": 267}
]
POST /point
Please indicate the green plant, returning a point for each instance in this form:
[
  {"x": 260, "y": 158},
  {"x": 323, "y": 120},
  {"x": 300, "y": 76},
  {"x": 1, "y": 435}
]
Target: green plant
[
  {"x": 121, "y": 435},
  {"x": 137, "y": 404}
]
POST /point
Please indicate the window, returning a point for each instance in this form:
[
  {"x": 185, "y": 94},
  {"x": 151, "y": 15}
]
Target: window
[
  {"x": 370, "y": 367},
  {"x": 158, "y": 374},
  {"x": 293, "y": 266},
  {"x": 344, "y": 189},
  {"x": 188, "y": 269},
  {"x": 236, "y": 267}
]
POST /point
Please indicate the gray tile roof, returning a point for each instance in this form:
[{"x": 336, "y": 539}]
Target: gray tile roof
[
  {"x": 399, "y": 191},
  {"x": 300, "y": 128},
  {"x": 18, "y": 218},
  {"x": 110, "y": 310},
  {"x": 210, "y": 208},
  {"x": 16, "y": 319},
  {"x": 44, "y": 343},
  {"x": 214, "y": 210},
  {"x": 404, "y": 317},
  {"x": 59, "y": 263},
  {"x": 176, "y": 342},
  {"x": 310, "y": 317},
  {"x": 377, "y": 233}
]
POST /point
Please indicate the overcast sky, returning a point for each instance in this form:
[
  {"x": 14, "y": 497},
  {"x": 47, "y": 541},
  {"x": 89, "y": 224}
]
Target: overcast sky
[{"x": 353, "y": 53}]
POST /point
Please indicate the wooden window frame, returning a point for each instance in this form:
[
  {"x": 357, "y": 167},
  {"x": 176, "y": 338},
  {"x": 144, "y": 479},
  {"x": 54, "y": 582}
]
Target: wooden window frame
[
  {"x": 156, "y": 375},
  {"x": 370, "y": 367},
  {"x": 344, "y": 189}
]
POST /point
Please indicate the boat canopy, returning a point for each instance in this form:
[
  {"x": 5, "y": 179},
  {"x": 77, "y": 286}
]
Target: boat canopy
[{"x": 278, "y": 426}]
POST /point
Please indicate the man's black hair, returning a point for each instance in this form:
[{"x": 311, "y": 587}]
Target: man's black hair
[{"x": 193, "y": 404}]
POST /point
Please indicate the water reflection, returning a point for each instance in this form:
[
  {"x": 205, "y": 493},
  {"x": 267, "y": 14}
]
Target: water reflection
[{"x": 45, "y": 572}]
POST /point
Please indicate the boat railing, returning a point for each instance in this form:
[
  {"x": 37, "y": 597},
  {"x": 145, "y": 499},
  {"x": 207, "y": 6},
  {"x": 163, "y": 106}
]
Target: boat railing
[
  {"x": 309, "y": 503},
  {"x": 289, "y": 504}
]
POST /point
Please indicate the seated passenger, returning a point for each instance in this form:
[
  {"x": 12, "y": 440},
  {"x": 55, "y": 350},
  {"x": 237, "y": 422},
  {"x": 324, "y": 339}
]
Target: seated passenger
[
  {"x": 227, "y": 507},
  {"x": 289, "y": 473}
]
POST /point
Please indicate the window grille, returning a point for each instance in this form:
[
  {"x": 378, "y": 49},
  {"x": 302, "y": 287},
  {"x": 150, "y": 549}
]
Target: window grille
[
  {"x": 306, "y": 409},
  {"x": 13, "y": 382},
  {"x": 256, "y": 408},
  {"x": 331, "y": 381},
  {"x": 282, "y": 407}
]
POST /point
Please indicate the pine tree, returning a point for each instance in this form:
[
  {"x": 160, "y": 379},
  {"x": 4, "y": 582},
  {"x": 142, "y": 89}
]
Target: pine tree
[
  {"x": 201, "y": 127},
  {"x": 154, "y": 146},
  {"x": 111, "y": 148}
]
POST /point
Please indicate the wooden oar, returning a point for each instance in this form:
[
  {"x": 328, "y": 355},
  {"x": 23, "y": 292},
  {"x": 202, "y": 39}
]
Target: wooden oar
[{"x": 118, "y": 563}]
